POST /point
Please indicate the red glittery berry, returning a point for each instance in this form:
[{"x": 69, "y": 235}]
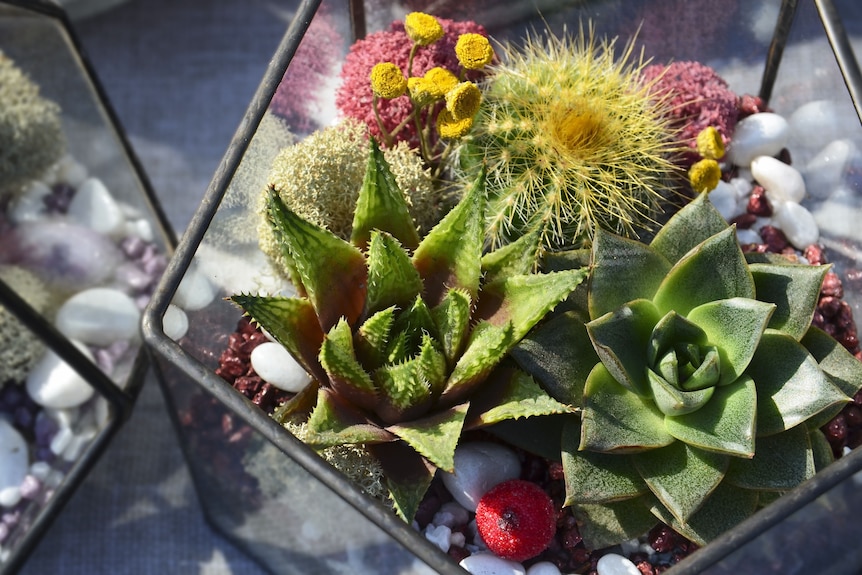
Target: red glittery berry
[{"x": 516, "y": 520}]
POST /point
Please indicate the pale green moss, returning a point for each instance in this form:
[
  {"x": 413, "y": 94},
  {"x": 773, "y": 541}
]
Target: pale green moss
[{"x": 19, "y": 347}]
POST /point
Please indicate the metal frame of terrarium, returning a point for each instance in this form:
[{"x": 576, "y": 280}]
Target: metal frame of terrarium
[
  {"x": 120, "y": 400},
  {"x": 168, "y": 352}
]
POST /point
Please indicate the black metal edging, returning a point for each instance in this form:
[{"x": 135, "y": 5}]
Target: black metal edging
[
  {"x": 776, "y": 47},
  {"x": 169, "y": 350},
  {"x": 843, "y": 50}
]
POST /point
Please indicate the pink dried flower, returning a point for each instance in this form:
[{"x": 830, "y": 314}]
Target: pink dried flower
[
  {"x": 354, "y": 96},
  {"x": 698, "y": 98}
]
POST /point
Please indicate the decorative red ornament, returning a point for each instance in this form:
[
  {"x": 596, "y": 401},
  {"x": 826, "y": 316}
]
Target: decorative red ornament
[{"x": 516, "y": 520}]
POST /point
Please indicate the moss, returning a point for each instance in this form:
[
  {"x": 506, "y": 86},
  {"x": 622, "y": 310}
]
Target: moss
[
  {"x": 31, "y": 134},
  {"x": 19, "y": 347}
]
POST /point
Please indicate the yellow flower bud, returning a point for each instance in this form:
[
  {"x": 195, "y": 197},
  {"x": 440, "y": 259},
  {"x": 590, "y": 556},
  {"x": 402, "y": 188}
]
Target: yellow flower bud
[
  {"x": 463, "y": 100},
  {"x": 704, "y": 175},
  {"x": 423, "y": 29},
  {"x": 710, "y": 144},
  {"x": 431, "y": 87},
  {"x": 387, "y": 80},
  {"x": 450, "y": 128},
  {"x": 474, "y": 51},
  {"x": 442, "y": 80}
]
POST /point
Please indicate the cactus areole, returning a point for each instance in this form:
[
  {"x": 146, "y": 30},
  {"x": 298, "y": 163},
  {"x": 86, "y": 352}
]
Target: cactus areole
[{"x": 406, "y": 338}]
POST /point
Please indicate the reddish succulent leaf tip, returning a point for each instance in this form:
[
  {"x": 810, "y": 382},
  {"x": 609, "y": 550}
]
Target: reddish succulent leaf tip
[{"x": 516, "y": 520}]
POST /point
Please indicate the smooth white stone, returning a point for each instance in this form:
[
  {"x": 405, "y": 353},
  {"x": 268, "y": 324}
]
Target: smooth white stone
[
  {"x": 490, "y": 564},
  {"x": 61, "y": 440},
  {"x": 742, "y": 186},
  {"x": 451, "y": 515},
  {"x": 479, "y": 466},
  {"x": 782, "y": 182},
  {"x": 40, "y": 470},
  {"x": 798, "y": 224},
  {"x": 53, "y": 383},
  {"x": 724, "y": 199},
  {"x": 30, "y": 206},
  {"x": 99, "y": 316},
  {"x": 613, "y": 564},
  {"x": 14, "y": 461},
  {"x": 272, "y": 362},
  {"x": 763, "y": 134},
  {"x": 71, "y": 171},
  {"x": 94, "y": 206},
  {"x": 195, "y": 291},
  {"x": 439, "y": 536},
  {"x": 10, "y": 496},
  {"x": 457, "y": 539},
  {"x": 629, "y": 546},
  {"x": 748, "y": 236},
  {"x": 175, "y": 322},
  {"x": 825, "y": 171},
  {"x": 543, "y": 568},
  {"x": 140, "y": 228},
  {"x": 815, "y": 124},
  {"x": 840, "y": 215}
]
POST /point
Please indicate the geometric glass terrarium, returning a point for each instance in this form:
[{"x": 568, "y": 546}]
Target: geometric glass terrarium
[
  {"x": 275, "y": 496},
  {"x": 82, "y": 245}
]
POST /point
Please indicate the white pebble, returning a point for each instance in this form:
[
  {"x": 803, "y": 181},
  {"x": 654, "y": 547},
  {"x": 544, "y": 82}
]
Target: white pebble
[
  {"x": 439, "y": 536},
  {"x": 274, "y": 364},
  {"x": 543, "y": 568},
  {"x": 139, "y": 227},
  {"x": 175, "y": 322},
  {"x": 53, "y": 383},
  {"x": 613, "y": 564},
  {"x": 40, "y": 470},
  {"x": 94, "y": 206},
  {"x": 457, "y": 539},
  {"x": 841, "y": 213},
  {"x": 195, "y": 291},
  {"x": 748, "y": 236},
  {"x": 724, "y": 199},
  {"x": 782, "y": 182},
  {"x": 99, "y": 316},
  {"x": 30, "y": 206},
  {"x": 479, "y": 466},
  {"x": 763, "y": 134},
  {"x": 61, "y": 440},
  {"x": 826, "y": 170},
  {"x": 798, "y": 224},
  {"x": 490, "y": 564},
  {"x": 451, "y": 515},
  {"x": 815, "y": 124},
  {"x": 14, "y": 462},
  {"x": 70, "y": 171}
]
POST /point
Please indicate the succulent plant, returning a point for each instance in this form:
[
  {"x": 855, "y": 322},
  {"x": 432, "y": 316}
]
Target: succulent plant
[
  {"x": 701, "y": 381},
  {"x": 401, "y": 334}
]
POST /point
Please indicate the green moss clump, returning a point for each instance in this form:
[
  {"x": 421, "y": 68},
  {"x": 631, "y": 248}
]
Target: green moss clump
[{"x": 19, "y": 347}]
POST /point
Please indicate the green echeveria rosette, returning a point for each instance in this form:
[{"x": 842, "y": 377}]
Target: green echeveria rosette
[
  {"x": 405, "y": 337},
  {"x": 702, "y": 383}
]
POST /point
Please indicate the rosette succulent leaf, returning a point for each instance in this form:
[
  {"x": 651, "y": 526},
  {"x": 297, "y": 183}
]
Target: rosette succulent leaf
[
  {"x": 400, "y": 334},
  {"x": 701, "y": 380}
]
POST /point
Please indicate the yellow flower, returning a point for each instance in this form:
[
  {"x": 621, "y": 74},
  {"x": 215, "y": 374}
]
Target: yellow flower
[
  {"x": 387, "y": 80},
  {"x": 422, "y": 28},
  {"x": 709, "y": 144},
  {"x": 450, "y": 128},
  {"x": 474, "y": 51},
  {"x": 463, "y": 100},
  {"x": 431, "y": 87},
  {"x": 704, "y": 175}
]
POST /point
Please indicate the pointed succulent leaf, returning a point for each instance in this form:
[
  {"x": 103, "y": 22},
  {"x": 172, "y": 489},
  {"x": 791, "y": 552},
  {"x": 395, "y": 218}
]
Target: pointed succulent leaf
[
  {"x": 333, "y": 423},
  {"x": 571, "y": 260},
  {"x": 791, "y": 387},
  {"x": 735, "y": 327},
  {"x": 623, "y": 270},
  {"x": 681, "y": 476},
  {"x": 726, "y": 424},
  {"x": 435, "y": 436},
  {"x": 524, "y": 300},
  {"x": 487, "y": 346},
  {"x": 293, "y": 324},
  {"x": 450, "y": 256},
  {"x": 517, "y": 258},
  {"x": 670, "y": 331},
  {"x": 560, "y": 355},
  {"x": 794, "y": 289},
  {"x": 621, "y": 339},
  {"x": 404, "y": 390},
  {"x": 596, "y": 477},
  {"x": 371, "y": 340},
  {"x": 398, "y": 349},
  {"x": 300, "y": 404},
  {"x": 618, "y": 420},
  {"x": 408, "y": 476},
  {"x": 843, "y": 369},
  {"x": 347, "y": 377},
  {"x": 511, "y": 394},
  {"x": 821, "y": 450},
  {"x": 714, "y": 270},
  {"x": 392, "y": 279},
  {"x": 381, "y": 205},
  {"x": 671, "y": 400},
  {"x": 538, "y": 435},
  {"x": 606, "y": 524},
  {"x": 432, "y": 364},
  {"x": 724, "y": 509},
  {"x": 335, "y": 284},
  {"x": 413, "y": 322},
  {"x": 781, "y": 462},
  {"x": 694, "y": 223},
  {"x": 452, "y": 320}
]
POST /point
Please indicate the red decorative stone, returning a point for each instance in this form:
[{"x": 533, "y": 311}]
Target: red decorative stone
[{"x": 516, "y": 519}]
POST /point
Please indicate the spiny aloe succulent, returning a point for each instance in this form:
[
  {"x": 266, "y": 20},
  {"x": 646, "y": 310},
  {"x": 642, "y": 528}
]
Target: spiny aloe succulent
[
  {"x": 702, "y": 383},
  {"x": 400, "y": 334}
]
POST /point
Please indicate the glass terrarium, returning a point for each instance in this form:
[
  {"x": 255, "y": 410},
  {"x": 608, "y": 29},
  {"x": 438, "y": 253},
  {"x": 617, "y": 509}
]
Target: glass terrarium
[
  {"x": 83, "y": 245},
  {"x": 295, "y": 511}
]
